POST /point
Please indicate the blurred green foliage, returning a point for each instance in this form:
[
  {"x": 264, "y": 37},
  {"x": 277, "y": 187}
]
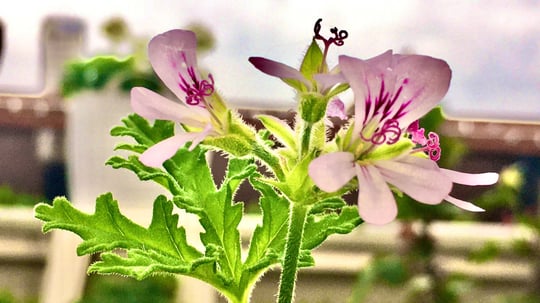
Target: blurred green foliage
[
  {"x": 98, "y": 72},
  {"x": 117, "y": 289},
  {"x": 8, "y": 197},
  {"x": 7, "y": 296}
]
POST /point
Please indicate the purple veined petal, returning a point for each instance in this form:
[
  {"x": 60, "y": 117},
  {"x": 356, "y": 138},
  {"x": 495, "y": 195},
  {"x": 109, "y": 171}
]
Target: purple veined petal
[
  {"x": 329, "y": 80},
  {"x": 332, "y": 171},
  {"x": 336, "y": 108},
  {"x": 382, "y": 62},
  {"x": 464, "y": 204},
  {"x": 171, "y": 54},
  {"x": 419, "y": 178},
  {"x": 376, "y": 203},
  {"x": 354, "y": 70},
  {"x": 154, "y": 106},
  {"x": 364, "y": 77},
  {"x": 277, "y": 69},
  {"x": 425, "y": 82},
  {"x": 164, "y": 150},
  {"x": 471, "y": 179}
]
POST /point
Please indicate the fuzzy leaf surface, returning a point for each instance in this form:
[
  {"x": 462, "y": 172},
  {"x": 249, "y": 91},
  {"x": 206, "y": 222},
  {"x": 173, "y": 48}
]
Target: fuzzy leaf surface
[{"x": 107, "y": 229}]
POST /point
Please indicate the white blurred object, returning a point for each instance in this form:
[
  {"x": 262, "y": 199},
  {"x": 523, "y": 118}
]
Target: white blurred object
[
  {"x": 63, "y": 39},
  {"x": 89, "y": 118}
]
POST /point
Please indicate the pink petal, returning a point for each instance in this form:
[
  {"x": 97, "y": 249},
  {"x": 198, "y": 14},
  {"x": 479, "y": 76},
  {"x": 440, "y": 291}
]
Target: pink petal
[
  {"x": 164, "y": 150},
  {"x": 336, "y": 108},
  {"x": 464, "y": 204},
  {"x": 167, "y": 52},
  {"x": 154, "y": 106},
  {"x": 201, "y": 136},
  {"x": 329, "y": 80},
  {"x": 364, "y": 77},
  {"x": 332, "y": 171},
  {"x": 428, "y": 80},
  {"x": 376, "y": 203},
  {"x": 419, "y": 178},
  {"x": 277, "y": 69},
  {"x": 471, "y": 179}
]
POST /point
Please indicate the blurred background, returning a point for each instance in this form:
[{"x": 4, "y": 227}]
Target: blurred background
[{"x": 490, "y": 117}]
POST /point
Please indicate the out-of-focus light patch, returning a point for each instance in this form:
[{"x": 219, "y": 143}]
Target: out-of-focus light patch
[
  {"x": 512, "y": 176},
  {"x": 493, "y": 50}
]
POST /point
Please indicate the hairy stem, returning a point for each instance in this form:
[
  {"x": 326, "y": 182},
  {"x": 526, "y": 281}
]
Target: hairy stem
[
  {"x": 298, "y": 214},
  {"x": 306, "y": 138}
]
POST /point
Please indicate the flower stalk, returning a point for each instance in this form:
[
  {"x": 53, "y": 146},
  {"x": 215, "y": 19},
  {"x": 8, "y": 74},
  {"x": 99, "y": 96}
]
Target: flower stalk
[{"x": 298, "y": 215}]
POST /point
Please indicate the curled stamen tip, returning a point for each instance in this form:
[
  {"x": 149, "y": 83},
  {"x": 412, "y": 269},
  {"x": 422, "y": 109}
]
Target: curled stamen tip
[{"x": 317, "y": 27}]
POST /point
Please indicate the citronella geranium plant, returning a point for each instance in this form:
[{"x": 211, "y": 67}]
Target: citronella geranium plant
[{"x": 379, "y": 150}]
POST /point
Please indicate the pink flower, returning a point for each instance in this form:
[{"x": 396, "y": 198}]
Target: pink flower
[
  {"x": 323, "y": 81},
  {"x": 392, "y": 92},
  {"x": 173, "y": 57},
  {"x": 336, "y": 108},
  {"x": 306, "y": 80}
]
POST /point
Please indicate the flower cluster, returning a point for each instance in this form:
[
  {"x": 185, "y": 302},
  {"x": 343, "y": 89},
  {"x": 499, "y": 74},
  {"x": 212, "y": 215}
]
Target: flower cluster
[
  {"x": 379, "y": 149},
  {"x": 382, "y": 144},
  {"x": 391, "y": 92}
]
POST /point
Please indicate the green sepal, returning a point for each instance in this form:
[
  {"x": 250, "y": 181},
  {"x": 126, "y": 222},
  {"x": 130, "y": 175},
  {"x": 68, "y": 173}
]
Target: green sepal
[
  {"x": 313, "y": 62},
  {"x": 235, "y": 145},
  {"x": 238, "y": 139},
  {"x": 312, "y": 107},
  {"x": 298, "y": 85},
  {"x": 338, "y": 89},
  {"x": 280, "y": 130},
  {"x": 298, "y": 186},
  {"x": 391, "y": 151}
]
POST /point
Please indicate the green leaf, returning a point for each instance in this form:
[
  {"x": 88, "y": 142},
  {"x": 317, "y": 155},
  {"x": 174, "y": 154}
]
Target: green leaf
[
  {"x": 94, "y": 74},
  {"x": 108, "y": 229},
  {"x": 146, "y": 173},
  {"x": 220, "y": 216},
  {"x": 321, "y": 226},
  {"x": 328, "y": 204},
  {"x": 145, "y": 134},
  {"x": 268, "y": 240},
  {"x": 141, "y": 264},
  {"x": 178, "y": 176}
]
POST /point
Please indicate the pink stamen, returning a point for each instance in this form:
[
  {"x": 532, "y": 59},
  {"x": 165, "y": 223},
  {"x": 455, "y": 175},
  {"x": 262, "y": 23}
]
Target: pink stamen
[
  {"x": 194, "y": 88},
  {"x": 389, "y": 133},
  {"x": 417, "y": 133},
  {"x": 433, "y": 146},
  {"x": 429, "y": 145}
]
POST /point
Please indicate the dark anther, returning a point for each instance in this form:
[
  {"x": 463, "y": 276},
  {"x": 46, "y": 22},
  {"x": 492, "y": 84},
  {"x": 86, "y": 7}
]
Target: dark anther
[
  {"x": 339, "y": 35},
  {"x": 317, "y": 27}
]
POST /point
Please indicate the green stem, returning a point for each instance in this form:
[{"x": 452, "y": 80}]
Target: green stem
[
  {"x": 306, "y": 138},
  {"x": 287, "y": 282}
]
